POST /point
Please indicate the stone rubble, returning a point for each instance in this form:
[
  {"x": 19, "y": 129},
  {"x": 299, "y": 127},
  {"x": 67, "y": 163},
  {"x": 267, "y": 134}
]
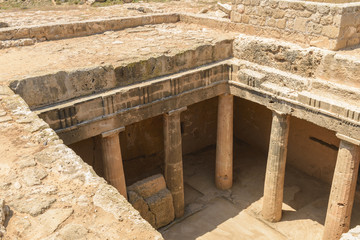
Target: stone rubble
[{"x": 353, "y": 234}]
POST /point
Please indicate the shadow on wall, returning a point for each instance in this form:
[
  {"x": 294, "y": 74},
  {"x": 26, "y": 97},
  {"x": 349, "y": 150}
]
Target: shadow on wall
[{"x": 142, "y": 143}]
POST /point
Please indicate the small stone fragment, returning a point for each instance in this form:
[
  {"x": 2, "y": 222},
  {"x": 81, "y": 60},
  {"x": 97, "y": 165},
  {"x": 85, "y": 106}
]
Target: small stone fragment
[
  {"x": 73, "y": 232},
  {"x": 226, "y": 8},
  {"x": 33, "y": 176},
  {"x": 50, "y": 221},
  {"x": 30, "y": 162},
  {"x": 204, "y": 10},
  {"x": 33, "y": 206}
]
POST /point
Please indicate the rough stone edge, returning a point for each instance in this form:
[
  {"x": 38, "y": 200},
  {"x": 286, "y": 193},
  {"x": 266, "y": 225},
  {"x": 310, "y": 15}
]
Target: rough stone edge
[
  {"x": 106, "y": 197},
  {"x": 56, "y": 31}
]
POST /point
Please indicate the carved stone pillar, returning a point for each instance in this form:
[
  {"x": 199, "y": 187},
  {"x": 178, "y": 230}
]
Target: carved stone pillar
[
  {"x": 275, "y": 168},
  {"x": 173, "y": 159},
  {"x": 113, "y": 165},
  {"x": 342, "y": 189},
  {"x": 224, "y": 143}
]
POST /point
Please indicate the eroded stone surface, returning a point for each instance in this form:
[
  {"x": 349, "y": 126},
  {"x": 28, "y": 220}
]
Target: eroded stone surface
[
  {"x": 50, "y": 190},
  {"x": 153, "y": 200},
  {"x": 52, "y": 184}
]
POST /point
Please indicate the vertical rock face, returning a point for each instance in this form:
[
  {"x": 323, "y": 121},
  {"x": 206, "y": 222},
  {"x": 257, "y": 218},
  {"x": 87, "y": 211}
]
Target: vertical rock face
[{"x": 153, "y": 200}]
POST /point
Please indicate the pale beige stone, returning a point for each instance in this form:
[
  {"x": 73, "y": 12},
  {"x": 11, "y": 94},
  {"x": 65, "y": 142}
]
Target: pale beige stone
[
  {"x": 300, "y": 24},
  {"x": 331, "y": 31}
]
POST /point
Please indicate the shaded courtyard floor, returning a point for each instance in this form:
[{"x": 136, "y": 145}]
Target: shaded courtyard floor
[{"x": 236, "y": 213}]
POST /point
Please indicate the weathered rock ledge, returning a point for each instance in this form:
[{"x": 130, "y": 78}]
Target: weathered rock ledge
[{"x": 50, "y": 191}]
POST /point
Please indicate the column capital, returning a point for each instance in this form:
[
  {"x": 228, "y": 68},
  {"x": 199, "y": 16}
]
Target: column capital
[
  {"x": 112, "y": 132},
  {"x": 283, "y": 113},
  {"x": 175, "y": 111},
  {"x": 348, "y": 139}
]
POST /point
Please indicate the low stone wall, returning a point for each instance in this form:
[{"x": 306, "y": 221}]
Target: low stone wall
[
  {"x": 82, "y": 28},
  {"x": 306, "y": 62},
  {"x": 324, "y": 25}
]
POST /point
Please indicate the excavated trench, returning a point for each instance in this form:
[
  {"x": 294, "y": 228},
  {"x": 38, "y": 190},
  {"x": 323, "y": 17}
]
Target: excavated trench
[{"x": 184, "y": 68}]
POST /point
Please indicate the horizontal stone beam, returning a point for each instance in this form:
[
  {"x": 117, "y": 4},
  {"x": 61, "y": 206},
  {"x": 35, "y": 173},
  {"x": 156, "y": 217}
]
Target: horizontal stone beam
[
  {"x": 89, "y": 116},
  {"x": 71, "y": 113},
  {"x": 138, "y": 113},
  {"x": 306, "y": 112}
]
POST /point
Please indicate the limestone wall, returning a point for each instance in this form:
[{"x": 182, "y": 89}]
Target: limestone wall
[
  {"x": 350, "y": 26},
  {"x": 324, "y": 25},
  {"x": 306, "y": 62}
]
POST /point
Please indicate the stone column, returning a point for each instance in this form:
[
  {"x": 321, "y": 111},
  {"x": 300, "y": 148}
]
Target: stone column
[
  {"x": 224, "y": 143},
  {"x": 173, "y": 159},
  {"x": 275, "y": 168},
  {"x": 113, "y": 165},
  {"x": 342, "y": 189}
]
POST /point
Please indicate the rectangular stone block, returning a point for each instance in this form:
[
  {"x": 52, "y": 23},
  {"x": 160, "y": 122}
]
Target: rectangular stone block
[
  {"x": 161, "y": 204},
  {"x": 149, "y": 186},
  {"x": 250, "y": 77}
]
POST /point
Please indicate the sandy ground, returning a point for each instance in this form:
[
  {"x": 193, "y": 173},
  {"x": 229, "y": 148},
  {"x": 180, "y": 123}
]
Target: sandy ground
[{"x": 235, "y": 214}]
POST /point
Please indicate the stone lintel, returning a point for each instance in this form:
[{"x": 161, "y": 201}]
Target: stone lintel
[
  {"x": 112, "y": 132},
  {"x": 348, "y": 139},
  {"x": 173, "y": 112}
]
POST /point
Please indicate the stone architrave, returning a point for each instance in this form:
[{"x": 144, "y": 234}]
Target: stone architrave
[
  {"x": 275, "y": 168},
  {"x": 113, "y": 165},
  {"x": 173, "y": 159},
  {"x": 342, "y": 189},
  {"x": 224, "y": 143}
]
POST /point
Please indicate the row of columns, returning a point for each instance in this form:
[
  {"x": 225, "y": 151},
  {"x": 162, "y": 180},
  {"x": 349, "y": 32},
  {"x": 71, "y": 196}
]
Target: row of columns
[
  {"x": 173, "y": 170},
  {"x": 342, "y": 189},
  {"x": 113, "y": 165},
  {"x": 343, "y": 185},
  {"x": 344, "y": 181}
]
